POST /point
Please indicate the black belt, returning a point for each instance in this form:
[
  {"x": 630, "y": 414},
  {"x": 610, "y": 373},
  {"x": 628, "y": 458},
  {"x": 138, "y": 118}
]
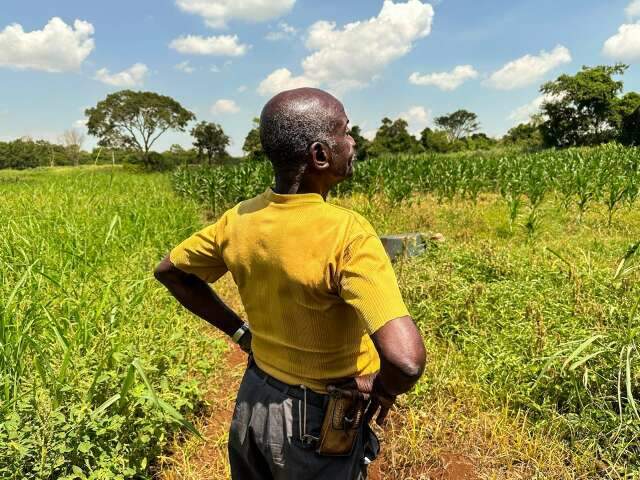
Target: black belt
[{"x": 317, "y": 399}]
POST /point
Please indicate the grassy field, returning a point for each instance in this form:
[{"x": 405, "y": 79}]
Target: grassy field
[
  {"x": 533, "y": 369},
  {"x": 537, "y": 333},
  {"x": 97, "y": 364}
]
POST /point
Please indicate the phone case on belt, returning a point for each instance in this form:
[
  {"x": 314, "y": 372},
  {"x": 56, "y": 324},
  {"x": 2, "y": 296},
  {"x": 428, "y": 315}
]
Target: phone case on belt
[{"x": 340, "y": 426}]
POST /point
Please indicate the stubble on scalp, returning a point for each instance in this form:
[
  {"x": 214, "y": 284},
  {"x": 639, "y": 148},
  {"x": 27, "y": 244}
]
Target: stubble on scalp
[{"x": 293, "y": 120}]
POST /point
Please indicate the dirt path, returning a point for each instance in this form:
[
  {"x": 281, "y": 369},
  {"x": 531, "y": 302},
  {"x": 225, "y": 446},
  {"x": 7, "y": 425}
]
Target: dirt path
[{"x": 200, "y": 460}]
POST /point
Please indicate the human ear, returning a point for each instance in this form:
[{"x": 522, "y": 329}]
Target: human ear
[{"x": 320, "y": 155}]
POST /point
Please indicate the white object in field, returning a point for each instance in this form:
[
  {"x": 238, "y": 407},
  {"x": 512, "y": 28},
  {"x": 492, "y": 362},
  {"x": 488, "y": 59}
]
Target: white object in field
[{"x": 408, "y": 244}]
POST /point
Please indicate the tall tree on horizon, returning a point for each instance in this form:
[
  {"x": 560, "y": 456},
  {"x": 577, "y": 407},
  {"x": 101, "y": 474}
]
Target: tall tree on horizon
[
  {"x": 582, "y": 109},
  {"x": 135, "y": 120},
  {"x": 210, "y": 139},
  {"x": 458, "y": 124}
]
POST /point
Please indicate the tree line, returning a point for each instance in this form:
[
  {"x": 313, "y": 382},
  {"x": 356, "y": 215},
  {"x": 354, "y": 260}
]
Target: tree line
[{"x": 584, "y": 109}]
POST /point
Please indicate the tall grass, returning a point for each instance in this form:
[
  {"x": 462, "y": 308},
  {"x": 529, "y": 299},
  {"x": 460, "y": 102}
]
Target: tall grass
[
  {"x": 547, "y": 329},
  {"x": 581, "y": 177},
  {"x": 97, "y": 365}
]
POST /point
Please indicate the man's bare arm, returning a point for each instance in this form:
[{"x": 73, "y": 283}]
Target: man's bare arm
[
  {"x": 197, "y": 297},
  {"x": 402, "y": 362},
  {"x": 402, "y": 355}
]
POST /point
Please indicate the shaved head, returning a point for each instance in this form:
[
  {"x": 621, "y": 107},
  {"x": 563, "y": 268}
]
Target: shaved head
[{"x": 293, "y": 120}]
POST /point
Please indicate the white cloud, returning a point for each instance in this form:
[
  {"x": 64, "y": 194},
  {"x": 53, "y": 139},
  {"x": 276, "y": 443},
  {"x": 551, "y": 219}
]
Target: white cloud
[
  {"x": 417, "y": 117},
  {"x": 625, "y": 45},
  {"x": 242, "y": 88},
  {"x": 217, "y": 13},
  {"x": 285, "y": 31},
  {"x": 524, "y": 113},
  {"x": 282, "y": 79},
  {"x": 215, "y": 69},
  {"x": 354, "y": 55},
  {"x": 633, "y": 9},
  {"x": 446, "y": 81},
  {"x": 223, "y": 106},
  {"x": 185, "y": 67},
  {"x": 369, "y": 134},
  {"x": 58, "y": 47},
  {"x": 223, "y": 45},
  {"x": 131, "y": 77},
  {"x": 528, "y": 69},
  {"x": 80, "y": 124}
]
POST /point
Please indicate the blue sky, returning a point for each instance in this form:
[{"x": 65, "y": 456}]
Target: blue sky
[{"x": 236, "y": 52}]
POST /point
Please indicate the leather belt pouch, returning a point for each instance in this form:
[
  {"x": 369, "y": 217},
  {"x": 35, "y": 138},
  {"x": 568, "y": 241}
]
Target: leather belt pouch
[{"x": 342, "y": 421}]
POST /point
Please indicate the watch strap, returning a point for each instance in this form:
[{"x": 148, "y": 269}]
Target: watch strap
[{"x": 239, "y": 333}]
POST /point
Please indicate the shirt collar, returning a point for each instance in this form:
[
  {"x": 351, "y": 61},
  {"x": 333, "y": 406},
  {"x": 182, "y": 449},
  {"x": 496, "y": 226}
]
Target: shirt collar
[{"x": 292, "y": 197}]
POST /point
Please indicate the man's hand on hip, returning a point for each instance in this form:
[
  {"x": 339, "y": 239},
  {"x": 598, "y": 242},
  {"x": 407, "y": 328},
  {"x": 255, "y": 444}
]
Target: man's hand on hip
[{"x": 367, "y": 388}]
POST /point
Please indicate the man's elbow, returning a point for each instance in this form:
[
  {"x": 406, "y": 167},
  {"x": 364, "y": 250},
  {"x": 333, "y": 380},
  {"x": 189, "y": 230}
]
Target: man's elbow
[
  {"x": 412, "y": 365},
  {"x": 164, "y": 270},
  {"x": 159, "y": 274}
]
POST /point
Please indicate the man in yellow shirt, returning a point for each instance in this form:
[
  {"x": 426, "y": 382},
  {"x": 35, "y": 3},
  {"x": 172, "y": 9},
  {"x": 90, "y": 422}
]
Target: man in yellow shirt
[{"x": 325, "y": 314}]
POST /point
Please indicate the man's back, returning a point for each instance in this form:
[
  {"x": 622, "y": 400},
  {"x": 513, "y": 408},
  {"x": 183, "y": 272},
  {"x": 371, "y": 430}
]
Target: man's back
[
  {"x": 323, "y": 303},
  {"x": 314, "y": 281}
]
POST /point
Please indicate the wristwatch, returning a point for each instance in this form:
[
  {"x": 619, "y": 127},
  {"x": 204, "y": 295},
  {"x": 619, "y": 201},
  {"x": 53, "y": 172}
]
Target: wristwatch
[{"x": 239, "y": 333}]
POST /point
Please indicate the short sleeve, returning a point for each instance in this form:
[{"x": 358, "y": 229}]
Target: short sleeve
[
  {"x": 368, "y": 283},
  {"x": 201, "y": 255}
]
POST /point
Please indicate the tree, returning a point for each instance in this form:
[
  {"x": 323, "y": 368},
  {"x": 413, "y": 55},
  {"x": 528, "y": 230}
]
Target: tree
[
  {"x": 436, "y": 141},
  {"x": 582, "y": 109},
  {"x": 525, "y": 135},
  {"x": 135, "y": 120},
  {"x": 458, "y": 124},
  {"x": 479, "y": 141},
  {"x": 72, "y": 141},
  {"x": 176, "y": 155},
  {"x": 252, "y": 145},
  {"x": 630, "y": 131},
  {"x": 362, "y": 144},
  {"x": 393, "y": 137},
  {"x": 627, "y": 105},
  {"x": 211, "y": 140}
]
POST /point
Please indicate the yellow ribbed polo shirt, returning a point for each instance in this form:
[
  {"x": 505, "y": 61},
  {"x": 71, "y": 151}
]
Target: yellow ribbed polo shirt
[{"x": 314, "y": 279}]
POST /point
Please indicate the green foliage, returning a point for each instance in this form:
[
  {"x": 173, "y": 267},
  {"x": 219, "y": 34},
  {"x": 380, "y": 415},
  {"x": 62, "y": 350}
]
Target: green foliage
[
  {"x": 546, "y": 330},
  {"x": 135, "y": 120},
  {"x": 458, "y": 124},
  {"x": 252, "y": 146},
  {"x": 393, "y": 137},
  {"x": 27, "y": 153},
  {"x": 362, "y": 144},
  {"x": 437, "y": 141},
  {"x": 626, "y": 106},
  {"x": 551, "y": 338},
  {"x": 609, "y": 174},
  {"x": 478, "y": 141},
  {"x": 525, "y": 135},
  {"x": 98, "y": 365},
  {"x": 176, "y": 155},
  {"x": 583, "y": 109},
  {"x": 630, "y": 132},
  {"x": 210, "y": 139},
  {"x": 220, "y": 187}
]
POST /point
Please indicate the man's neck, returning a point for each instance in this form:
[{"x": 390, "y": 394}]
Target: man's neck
[{"x": 289, "y": 185}]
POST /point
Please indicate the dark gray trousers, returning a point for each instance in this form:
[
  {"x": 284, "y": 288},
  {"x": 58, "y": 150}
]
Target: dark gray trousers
[{"x": 265, "y": 439}]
